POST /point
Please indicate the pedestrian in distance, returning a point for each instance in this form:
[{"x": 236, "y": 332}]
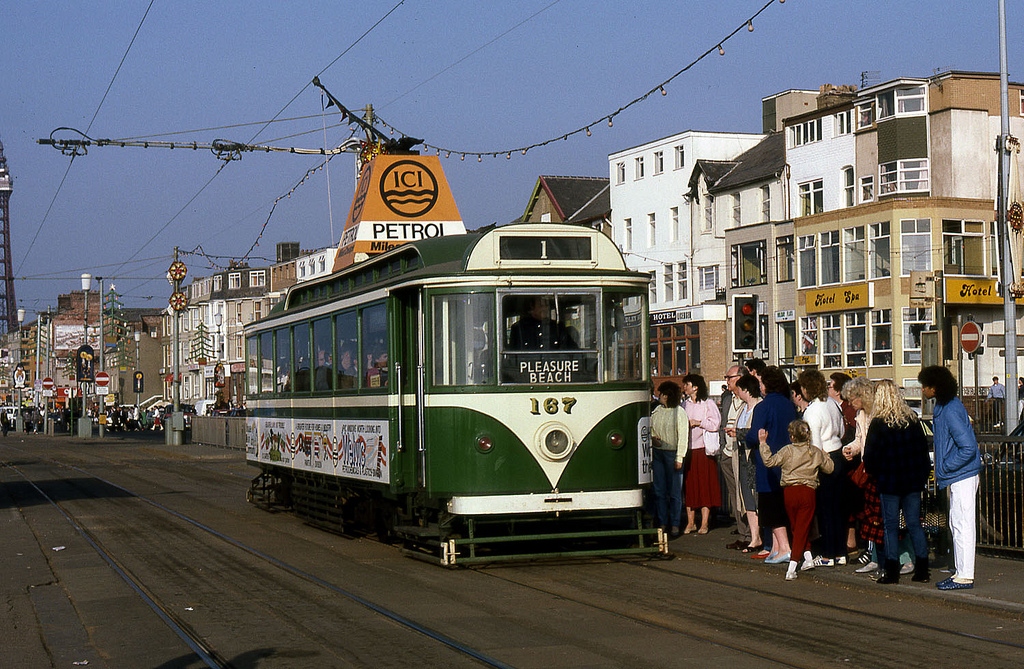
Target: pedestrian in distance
[
  {"x": 799, "y": 462},
  {"x": 5, "y": 422},
  {"x": 957, "y": 468},
  {"x": 896, "y": 454}
]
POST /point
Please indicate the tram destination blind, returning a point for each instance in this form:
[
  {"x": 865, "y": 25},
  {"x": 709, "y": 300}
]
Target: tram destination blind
[{"x": 545, "y": 248}]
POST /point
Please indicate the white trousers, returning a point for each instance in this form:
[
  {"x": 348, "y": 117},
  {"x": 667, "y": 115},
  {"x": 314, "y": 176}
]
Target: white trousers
[{"x": 963, "y": 522}]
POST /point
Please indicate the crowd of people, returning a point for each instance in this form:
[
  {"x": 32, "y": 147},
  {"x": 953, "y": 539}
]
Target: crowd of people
[{"x": 820, "y": 472}]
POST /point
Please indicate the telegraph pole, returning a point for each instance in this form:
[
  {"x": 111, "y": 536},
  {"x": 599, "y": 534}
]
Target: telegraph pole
[{"x": 1010, "y": 273}]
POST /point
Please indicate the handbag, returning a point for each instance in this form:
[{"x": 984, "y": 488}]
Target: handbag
[
  {"x": 859, "y": 476},
  {"x": 711, "y": 444}
]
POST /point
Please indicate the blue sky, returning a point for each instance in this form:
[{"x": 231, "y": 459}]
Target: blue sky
[{"x": 461, "y": 74}]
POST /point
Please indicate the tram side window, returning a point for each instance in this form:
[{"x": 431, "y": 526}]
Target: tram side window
[
  {"x": 300, "y": 360},
  {"x": 347, "y": 333},
  {"x": 624, "y": 337},
  {"x": 463, "y": 336},
  {"x": 283, "y": 360},
  {"x": 374, "y": 339},
  {"x": 323, "y": 370},
  {"x": 267, "y": 362},
  {"x": 252, "y": 369},
  {"x": 549, "y": 338}
]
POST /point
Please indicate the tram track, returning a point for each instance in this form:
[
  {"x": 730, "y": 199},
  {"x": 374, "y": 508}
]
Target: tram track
[{"x": 196, "y": 641}]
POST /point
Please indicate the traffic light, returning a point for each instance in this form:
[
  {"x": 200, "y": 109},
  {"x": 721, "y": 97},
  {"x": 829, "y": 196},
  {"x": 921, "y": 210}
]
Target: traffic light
[
  {"x": 138, "y": 383},
  {"x": 744, "y": 315}
]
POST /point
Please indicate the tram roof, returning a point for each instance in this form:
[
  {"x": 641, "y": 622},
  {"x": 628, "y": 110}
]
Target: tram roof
[{"x": 458, "y": 254}]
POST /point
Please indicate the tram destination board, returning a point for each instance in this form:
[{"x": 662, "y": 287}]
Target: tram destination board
[{"x": 544, "y": 248}]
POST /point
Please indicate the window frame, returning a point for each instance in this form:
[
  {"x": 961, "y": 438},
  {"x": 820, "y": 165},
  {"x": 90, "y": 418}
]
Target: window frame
[{"x": 922, "y": 234}]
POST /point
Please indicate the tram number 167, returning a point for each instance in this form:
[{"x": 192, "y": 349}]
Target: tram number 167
[{"x": 550, "y": 405}]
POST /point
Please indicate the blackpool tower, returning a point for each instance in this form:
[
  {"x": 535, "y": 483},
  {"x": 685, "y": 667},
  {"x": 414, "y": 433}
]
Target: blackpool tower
[{"x": 8, "y": 305}]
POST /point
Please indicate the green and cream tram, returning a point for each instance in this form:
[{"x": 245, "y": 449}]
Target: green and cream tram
[{"x": 479, "y": 397}]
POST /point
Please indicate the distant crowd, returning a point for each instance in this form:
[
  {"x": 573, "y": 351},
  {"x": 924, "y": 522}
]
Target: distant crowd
[{"x": 820, "y": 472}]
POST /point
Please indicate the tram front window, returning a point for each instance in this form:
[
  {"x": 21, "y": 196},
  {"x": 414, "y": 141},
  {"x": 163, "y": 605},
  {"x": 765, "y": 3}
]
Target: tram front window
[
  {"x": 549, "y": 338},
  {"x": 463, "y": 333}
]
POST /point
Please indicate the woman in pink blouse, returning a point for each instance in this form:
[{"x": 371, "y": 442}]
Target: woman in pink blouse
[{"x": 701, "y": 487}]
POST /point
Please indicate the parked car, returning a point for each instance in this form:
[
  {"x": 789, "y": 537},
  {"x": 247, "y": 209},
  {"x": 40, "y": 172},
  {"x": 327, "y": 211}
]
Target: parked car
[{"x": 187, "y": 409}]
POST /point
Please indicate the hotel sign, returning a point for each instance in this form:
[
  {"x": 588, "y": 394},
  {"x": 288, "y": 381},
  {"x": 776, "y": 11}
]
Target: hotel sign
[
  {"x": 973, "y": 291},
  {"x": 840, "y": 298}
]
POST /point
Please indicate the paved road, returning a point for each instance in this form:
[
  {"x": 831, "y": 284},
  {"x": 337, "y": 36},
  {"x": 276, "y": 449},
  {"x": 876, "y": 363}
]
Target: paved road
[{"x": 130, "y": 553}]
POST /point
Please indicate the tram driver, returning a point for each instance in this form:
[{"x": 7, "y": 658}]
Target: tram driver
[{"x": 537, "y": 331}]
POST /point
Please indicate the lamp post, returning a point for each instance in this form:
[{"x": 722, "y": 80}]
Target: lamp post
[
  {"x": 138, "y": 367},
  {"x": 178, "y": 301},
  {"x": 83, "y": 421},
  {"x": 101, "y": 417},
  {"x": 218, "y": 319},
  {"x": 19, "y": 374}
]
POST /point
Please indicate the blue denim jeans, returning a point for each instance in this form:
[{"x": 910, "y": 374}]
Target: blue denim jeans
[
  {"x": 668, "y": 489},
  {"x": 911, "y": 505}
]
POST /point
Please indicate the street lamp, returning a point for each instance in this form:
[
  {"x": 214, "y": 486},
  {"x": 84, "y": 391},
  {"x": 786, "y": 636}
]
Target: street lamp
[
  {"x": 102, "y": 410},
  {"x": 19, "y": 374},
  {"x": 138, "y": 367},
  {"x": 83, "y": 423}
]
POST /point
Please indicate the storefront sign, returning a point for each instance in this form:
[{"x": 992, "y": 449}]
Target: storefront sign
[
  {"x": 973, "y": 291},
  {"x": 840, "y": 298}
]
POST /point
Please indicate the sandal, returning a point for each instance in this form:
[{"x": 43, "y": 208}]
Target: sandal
[
  {"x": 753, "y": 549},
  {"x": 760, "y": 555}
]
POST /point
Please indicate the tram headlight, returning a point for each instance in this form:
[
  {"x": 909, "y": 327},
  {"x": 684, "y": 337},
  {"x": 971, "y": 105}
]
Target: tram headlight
[
  {"x": 555, "y": 441},
  {"x": 484, "y": 443},
  {"x": 616, "y": 439}
]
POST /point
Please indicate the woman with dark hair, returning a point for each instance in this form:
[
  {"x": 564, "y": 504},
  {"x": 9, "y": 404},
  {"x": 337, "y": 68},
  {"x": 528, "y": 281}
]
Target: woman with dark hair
[
  {"x": 896, "y": 455},
  {"x": 774, "y": 414},
  {"x": 957, "y": 467},
  {"x": 670, "y": 434},
  {"x": 702, "y": 488},
  {"x": 826, "y": 422},
  {"x": 748, "y": 389}
]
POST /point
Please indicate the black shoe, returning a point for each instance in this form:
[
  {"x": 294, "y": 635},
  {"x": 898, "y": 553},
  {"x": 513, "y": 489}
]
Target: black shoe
[
  {"x": 891, "y": 575},
  {"x": 921, "y": 573}
]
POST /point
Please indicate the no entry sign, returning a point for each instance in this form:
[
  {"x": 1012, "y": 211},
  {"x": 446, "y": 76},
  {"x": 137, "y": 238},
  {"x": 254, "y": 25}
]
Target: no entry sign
[{"x": 970, "y": 337}]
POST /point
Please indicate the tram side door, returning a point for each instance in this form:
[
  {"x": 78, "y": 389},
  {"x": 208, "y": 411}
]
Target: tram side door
[{"x": 407, "y": 415}]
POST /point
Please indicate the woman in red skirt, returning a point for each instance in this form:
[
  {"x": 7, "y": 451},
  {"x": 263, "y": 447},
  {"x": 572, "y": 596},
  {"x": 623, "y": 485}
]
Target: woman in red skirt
[{"x": 701, "y": 486}]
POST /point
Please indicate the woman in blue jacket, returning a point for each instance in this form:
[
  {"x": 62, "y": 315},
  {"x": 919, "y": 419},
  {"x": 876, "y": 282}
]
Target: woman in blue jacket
[{"x": 957, "y": 467}]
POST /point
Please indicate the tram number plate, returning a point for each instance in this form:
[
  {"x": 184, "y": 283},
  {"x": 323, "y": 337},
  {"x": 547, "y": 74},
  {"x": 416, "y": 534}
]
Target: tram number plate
[{"x": 551, "y": 405}]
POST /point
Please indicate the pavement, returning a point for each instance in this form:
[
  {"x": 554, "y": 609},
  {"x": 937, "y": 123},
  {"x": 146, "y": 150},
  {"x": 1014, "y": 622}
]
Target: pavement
[{"x": 998, "y": 581}]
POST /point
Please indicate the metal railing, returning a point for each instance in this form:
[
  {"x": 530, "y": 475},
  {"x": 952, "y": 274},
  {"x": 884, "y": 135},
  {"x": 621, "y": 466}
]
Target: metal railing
[{"x": 1001, "y": 494}]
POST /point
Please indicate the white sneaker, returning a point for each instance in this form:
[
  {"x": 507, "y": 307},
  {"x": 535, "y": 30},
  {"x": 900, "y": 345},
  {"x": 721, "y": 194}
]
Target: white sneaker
[
  {"x": 907, "y": 568},
  {"x": 807, "y": 565},
  {"x": 841, "y": 561},
  {"x": 824, "y": 562},
  {"x": 868, "y": 568},
  {"x": 790, "y": 575}
]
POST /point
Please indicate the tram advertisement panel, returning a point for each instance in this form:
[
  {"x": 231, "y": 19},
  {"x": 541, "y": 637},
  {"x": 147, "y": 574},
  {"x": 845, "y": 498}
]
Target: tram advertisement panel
[
  {"x": 645, "y": 471},
  {"x": 355, "y": 449}
]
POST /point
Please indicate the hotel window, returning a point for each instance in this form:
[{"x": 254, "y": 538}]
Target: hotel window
[
  {"x": 963, "y": 245},
  {"x": 829, "y": 242},
  {"x": 709, "y": 213},
  {"x": 749, "y": 266},
  {"x": 832, "y": 340},
  {"x": 787, "y": 341},
  {"x": 808, "y": 261},
  {"x": 867, "y": 189},
  {"x": 766, "y": 203},
  {"x": 680, "y": 157},
  {"x": 854, "y": 254},
  {"x": 812, "y": 198},
  {"x": 258, "y": 279},
  {"x": 805, "y": 133},
  {"x": 993, "y": 249},
  {"x": 785, "y": 259},
  {"x": 620, "y": 173},
  {"x": 910, "y": 101},
  {"x": 217, "y": 282},
  {"x": 915, "y": 245},
  {"x": 257, "y": 310},
  {"x": 865, "y": 115},
  {"x": 878, "y": 250},
  {"x": 682, "y": 281},
  {"x": 627, "y": 240},
  {"x": 915, "y": 321},
  {"x": 673, "y": 232},
  {"x": 809, "y": 335},
  {"x": 849, "y": 187},
  {"x": 659, "y": 162},
  {"x": 234, "y": 281},
  {"x": 675, "y": 349},
  {"x": 669, "y": 281},
  {"x": 653, "y": 286},
  {"x": 903, "y": 176},
  {"x": 638, "y": 167},
  {"x": 881, "y": 337},
  {"x": 844, "y": 122},
  {"x": 652, "y": 230},
  {"x": 737, "y": 213},
  {"x": 709, "y": 278},
  {"x": 856, "y": 339}
]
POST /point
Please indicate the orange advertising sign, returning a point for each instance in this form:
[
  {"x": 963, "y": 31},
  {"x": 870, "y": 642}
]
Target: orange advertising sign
[{"x": 399, "y": 199}]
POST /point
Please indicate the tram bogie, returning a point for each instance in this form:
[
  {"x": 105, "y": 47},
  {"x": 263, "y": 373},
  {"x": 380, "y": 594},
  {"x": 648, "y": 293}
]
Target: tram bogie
[{"x": 478, "y": 398}]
